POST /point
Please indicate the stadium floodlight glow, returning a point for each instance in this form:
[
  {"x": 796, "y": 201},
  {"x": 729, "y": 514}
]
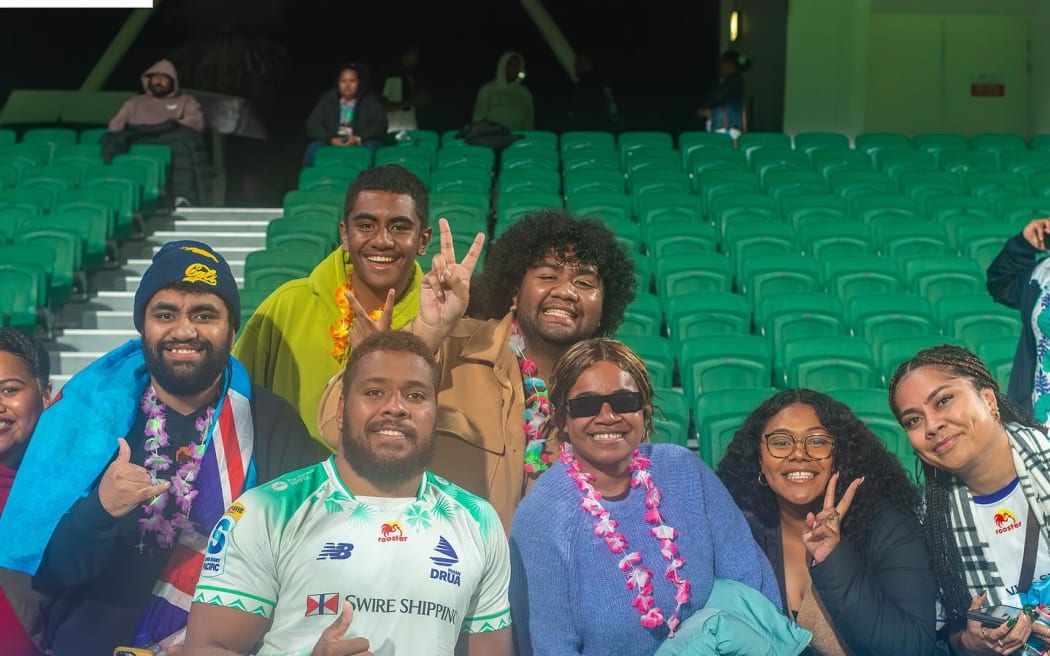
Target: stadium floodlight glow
[{"x": 734, "y": 25}]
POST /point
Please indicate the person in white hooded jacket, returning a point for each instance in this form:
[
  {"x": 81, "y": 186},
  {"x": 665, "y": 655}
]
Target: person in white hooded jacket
[{"x": 505, "y": 99}]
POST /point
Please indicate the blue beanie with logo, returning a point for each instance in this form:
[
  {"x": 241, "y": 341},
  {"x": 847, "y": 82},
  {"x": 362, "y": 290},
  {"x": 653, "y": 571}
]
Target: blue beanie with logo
[{"x": 190, "y": 263}]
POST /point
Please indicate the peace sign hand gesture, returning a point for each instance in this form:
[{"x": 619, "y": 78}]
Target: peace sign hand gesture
[
  {"x": 445, "y": 291},
  {"x": 823, "y": 529},
  {"x": 364, "y": 325}
]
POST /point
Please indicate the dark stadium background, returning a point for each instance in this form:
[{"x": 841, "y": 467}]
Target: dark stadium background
[{"x": 659, "y": 57}]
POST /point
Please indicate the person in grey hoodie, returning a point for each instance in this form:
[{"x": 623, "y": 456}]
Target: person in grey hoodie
[
  {"x": 505, "y": 99},
  {"x": 161, "y": 102}
]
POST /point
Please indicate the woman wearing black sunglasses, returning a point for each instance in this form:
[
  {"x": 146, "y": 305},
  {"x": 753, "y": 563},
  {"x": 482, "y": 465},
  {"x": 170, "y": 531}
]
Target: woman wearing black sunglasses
[
  {"x": 621, "y": 540},
  {"x": 835, "y": 513}
]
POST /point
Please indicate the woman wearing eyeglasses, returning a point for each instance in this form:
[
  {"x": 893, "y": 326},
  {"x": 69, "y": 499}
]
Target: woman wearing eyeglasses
[
  {"x": 620, "y": 541},
  {"x": 835, "y": 513}
]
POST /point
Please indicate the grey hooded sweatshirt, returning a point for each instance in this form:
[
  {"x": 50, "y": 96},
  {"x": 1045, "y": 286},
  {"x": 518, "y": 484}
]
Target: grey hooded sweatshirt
[
  {"x": 147, "y": 109},
  {"x": 507, "y": 103}
]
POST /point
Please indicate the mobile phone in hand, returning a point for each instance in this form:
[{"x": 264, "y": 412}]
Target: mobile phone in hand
[{"x": 994, "y": 616}]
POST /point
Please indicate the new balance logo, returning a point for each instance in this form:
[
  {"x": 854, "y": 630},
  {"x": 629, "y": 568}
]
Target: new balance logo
[
  {"x": 335, "y": 551},
  {"x": 446, "y": 554},
  {"x": 322, "y": 604}
]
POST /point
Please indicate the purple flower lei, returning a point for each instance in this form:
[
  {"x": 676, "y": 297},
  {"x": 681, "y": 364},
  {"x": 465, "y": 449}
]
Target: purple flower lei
[
  {"x": 639, "y": 577},
  {"x": 181, "y": 482}
]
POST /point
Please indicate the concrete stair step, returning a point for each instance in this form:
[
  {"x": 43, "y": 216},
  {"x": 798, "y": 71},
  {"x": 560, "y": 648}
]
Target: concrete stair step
[
  {"x": 113, "y": 300},
  {"x": 227, "y": 214},
  {"x": 67, "y": 363},
  {"x": 107, "y": 319},
  {"x": 94, "y": 340},
  {"x": 224, "y": 242},
  {"x": 137, "y": 266}
]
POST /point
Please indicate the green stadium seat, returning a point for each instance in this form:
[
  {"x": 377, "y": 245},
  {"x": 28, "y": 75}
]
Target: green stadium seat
[
  {"x": 998, "y": 354},
  {"x": 43, "y": 259},
  {"x": 590, "y": 158},
  {"x": 117, "y": 195},
  {"x": 810, "y": 142},
  {"x": 939, "y": 143},
  {"x": 686, "y": 275},
  {"x": 50, "y": 137},
  {"x": 89, "y": 210},
  {"x": 725, "y": 208},
  {"x": 781, "y": 318},
  {"x": 1040, "y": 182},
  {"x": 578, "y": 139},
  {"x": 903, "y": 240},
  {"x": 657, "y": 354},
  {"x": 650, "y": 181},
  {"x": 321, "y": 227},
  {"x": 451, "y": 138},
  {"x": 475, "y": 180},
  {"x": 1026, "y": 162},
  {"x": 55, "y": 178},
  {"x": 882, "y": 317},
  {"x": 11, "y": 221},
  {"x": 749, "y": 142},
  {"x": 513, "y": 180},
  {"x": 637, "y": 139},
  {"x": 92, "y": 233},
  {"x": 998, "y": 144},
  {"x": 251, "y": 299},
  {"x": 827, "y": 162},
  {"x": 1040, "y": 142},
  {"x": 778, "y": 274},
  {"x": 834, "y": 239},
  {"x": 19, "y": 297},
  {"x": 671, "y": 416},
  {"x": 859, "y": 275},
  {"x": 689, "y": 142},
  {"x": 511, "y": 207},
  {"x": 537, "y": 157},
  {"x": 962, "y": 162},
  {"x": 719, "y": 414},
  {"x": 974, "y": 318},
  {"x": 686, "y": 238},
  {"x": 9, "y": 175},
  {"x": 852, "y": 184},
  {"x": 411, "y": 158},
  {"x": 895, "y": 162},
  {"x": 158, "y": 153},
  {"x": 644, "y": 316},
  {"x": 921, "y": 186},
  {"x": 781, "y": 184},
  {"x": 993, "y": 185},
  {"x": 879, "y": 210},
  {"x": 767, "y": 160},
  {"x": 713, "y": 183},
  {"x": 724, "y": 361},
  {"x": 714, "y": 313},
  {"x": 746, "y": 242},
  {"x": 83, "y": 156},
  {"x": 91, "y": 135},
  {"x": 676, "y": 209},
  {"x": 804, "y": 209},
  {"x": 871, "y": 407},
  {"x": 893, "y": 352},
  {"x": 544, "y": 138},
  {"x": 983, "y": 241},
  {"x": 359, "y": 158},
  {"x": 7, "y": 137},
  {"x": 327, "y": 178},
  {"x": 269, "y": 269},
  {"x": 68, "y": 277},
  {"x": 424, "y": 138},
  {"x": 585, "y": 180},
  {"x": 872, "y": 143},
  {"x": 649, "y": 158},
  {"x": 113, "y": 172},
  {"x": 1019, "y": 210},
  {"x": 26, "y": 154},
  {"x": 936, "y": 277},
  {"x": 321, "y": 197},
  {"x": 827, "y": 362},
  {"x": 609, "y": 207},
  {"x": 460, "y": 208},
  {"x": 150, "y": 176},
  {"x": 716, "y": 159},
  {"x": 40, "y": 198}
]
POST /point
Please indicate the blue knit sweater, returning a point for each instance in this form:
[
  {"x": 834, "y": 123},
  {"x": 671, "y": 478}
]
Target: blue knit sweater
[{"x": 567, "y": 594}]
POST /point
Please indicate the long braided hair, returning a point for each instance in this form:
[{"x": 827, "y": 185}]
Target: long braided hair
[{"x": 955, "y": 362}]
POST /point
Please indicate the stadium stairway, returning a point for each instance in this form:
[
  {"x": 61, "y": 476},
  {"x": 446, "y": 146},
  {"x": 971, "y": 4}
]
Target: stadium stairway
[{"x": 90, "y": 328}]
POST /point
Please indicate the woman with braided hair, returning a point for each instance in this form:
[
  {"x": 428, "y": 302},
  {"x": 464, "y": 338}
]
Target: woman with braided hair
[{"x": 987, "y": 469}]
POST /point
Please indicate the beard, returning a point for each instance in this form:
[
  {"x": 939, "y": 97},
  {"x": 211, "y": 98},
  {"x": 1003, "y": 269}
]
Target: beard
[
  {"x": 380, "y": 469},
  {"x": 159, "y": 90},
  {"x": 183, "y": 378}
]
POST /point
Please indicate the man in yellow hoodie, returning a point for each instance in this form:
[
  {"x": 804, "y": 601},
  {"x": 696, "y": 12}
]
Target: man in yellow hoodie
[{"x": 299, "y": 337}]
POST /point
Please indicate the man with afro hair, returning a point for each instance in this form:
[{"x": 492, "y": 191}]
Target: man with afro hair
[{"x": 549, "y": 281}]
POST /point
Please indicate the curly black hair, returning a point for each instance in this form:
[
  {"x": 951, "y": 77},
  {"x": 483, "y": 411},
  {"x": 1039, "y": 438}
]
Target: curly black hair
[
  {"x": 538, "y": 235},
  {"x": 858, "y": 452},
  {"x": 29, "y": 351},
  {"x": 956, "y": 362}
]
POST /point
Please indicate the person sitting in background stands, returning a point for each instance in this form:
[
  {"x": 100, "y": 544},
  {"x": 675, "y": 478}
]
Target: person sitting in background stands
[
  {"x": 25, "y": 390},
  {"x": 724, "y": 105},
  {"x": 1019, "y": 278},
  {"x": 348, "y": 115},
  {"x": 164, "y": 115},
  {"x": 505, "y": 99},
  {"x": 404, "y": 94}
]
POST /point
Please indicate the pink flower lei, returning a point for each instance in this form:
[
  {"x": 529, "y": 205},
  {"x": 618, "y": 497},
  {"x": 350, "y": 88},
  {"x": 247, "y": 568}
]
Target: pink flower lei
[
  {"x": 537, "y": 406},
  {"x": 639, "y": 577},
  {"x": 181, "y": 482}
]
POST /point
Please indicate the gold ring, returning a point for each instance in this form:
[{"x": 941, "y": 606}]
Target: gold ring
[{"x": 834, "y": 518}]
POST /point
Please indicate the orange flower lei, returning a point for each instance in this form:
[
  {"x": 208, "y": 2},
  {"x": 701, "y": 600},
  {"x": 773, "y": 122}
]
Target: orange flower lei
[{"x": 340, "y": 330}]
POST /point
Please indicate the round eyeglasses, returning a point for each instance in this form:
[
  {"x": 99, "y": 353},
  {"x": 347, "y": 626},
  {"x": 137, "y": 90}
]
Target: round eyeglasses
[{"x": 816, "y": 446}]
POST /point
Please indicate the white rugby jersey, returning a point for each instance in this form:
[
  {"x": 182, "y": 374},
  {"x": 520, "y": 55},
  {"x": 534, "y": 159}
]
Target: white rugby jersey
[{"x": 419, "y": 571}]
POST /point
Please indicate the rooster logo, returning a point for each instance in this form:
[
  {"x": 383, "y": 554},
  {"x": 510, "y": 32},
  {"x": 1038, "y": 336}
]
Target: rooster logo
[
  {"x": 1004, "y": 517},
  {"x": 392, "y": 530}
]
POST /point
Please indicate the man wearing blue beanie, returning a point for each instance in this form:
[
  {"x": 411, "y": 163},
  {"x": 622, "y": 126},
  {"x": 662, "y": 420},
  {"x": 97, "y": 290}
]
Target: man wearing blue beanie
[{"x": 139, "y": 456}]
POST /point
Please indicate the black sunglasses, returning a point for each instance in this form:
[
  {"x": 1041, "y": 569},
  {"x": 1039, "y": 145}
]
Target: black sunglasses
[{"x": 589, "y": 406}]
